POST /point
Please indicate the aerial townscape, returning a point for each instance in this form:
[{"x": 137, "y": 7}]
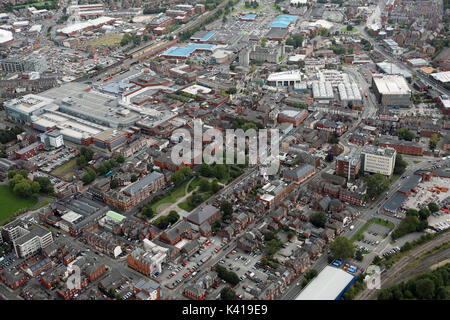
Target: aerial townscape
[{"x": 353, "y": 96}]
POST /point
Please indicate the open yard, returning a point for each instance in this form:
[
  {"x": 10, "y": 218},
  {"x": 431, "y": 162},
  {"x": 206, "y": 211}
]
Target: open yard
[
  {"x": 107, "y": 40},
  {"x": 66, "y": 170},
  {"x": 171, "y": 196},
  {"x": 260, "y": 6},
  {"x": 11, "y": 203}
]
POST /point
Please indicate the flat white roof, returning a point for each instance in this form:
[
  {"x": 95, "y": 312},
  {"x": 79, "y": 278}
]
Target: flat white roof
[
  {"x": 195, "y": 89},
  {"x": 5, "y": 36},
  {"x": 293, "y": 75},
  {"x": 86, "y": 24},
  {"x": 71, "y": 216},
  {"x": 442, "y": 76},
  {"x": 392, "y": 84},
  {"x": 328, "y": 285}
]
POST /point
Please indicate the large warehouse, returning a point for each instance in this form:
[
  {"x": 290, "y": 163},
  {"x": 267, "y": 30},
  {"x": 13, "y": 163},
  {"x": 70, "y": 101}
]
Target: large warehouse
[
  {"x": 330, "y": 284},
  {"x": 391, "y": 90}
]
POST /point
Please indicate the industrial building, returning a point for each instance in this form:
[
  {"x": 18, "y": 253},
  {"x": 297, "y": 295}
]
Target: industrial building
[
  {"x": 378, "y": 160},
  {"x": 285, "y": 78},
  {"x": 330, "y": 284},
  {"x": 349, "y": 93},
  {"x": 322, "y": 90},
  {"x": 23, "y": 108},
  {"x": 392, "y": 68},
  {"x": 80, "y": 27},
  {"x": 391, "y": 90}
]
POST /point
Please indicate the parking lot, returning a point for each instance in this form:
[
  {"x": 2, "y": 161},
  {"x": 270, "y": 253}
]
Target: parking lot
[
  {"x": 174, "y": 274},
  {"x": 374, "y": 234},
  {"x": 48, "y": 160}
]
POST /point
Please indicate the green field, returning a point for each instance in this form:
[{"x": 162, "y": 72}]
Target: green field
[
  {"x": 66, "y": 171},
  {"x": 345, "y": 30},
  {"x": 171, "y": 196},
  {"x": 12, "y": 203},
  {"x": 261, "y": 6}
]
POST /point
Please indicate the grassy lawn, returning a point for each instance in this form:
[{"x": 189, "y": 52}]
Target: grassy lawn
[
  {"x": 60, "y": 171},
  {"x": 106, "y": 40},
  {"x": 345, "y": 30},
  {"x": 194, "y": 184},
  {"x": 12, "y": 203},
  {"x": 261, "y": 6},
  {"x": 417, "y": 161},
  {"x": 44, "y": 203},
  {"x": 379, "y": 221},
  {"x": 171, "y": 196},
  {"x": 187, "y": 207},
  {"x": 275, "y": 8}
]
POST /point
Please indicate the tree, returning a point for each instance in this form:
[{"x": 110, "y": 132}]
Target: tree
[
  {"x": 89, "y": 176},
  {"x": 133, "y": 178},
  {"x": 333, "y": 139},
  {"x": 227, "y": 209},
  {"x": 15, "y": 180},
  {"x": 215, "y": 186},
  {"x": 400, "y": 165},
  {"x": 23, "y": 189},
  {"x": 147, "y": 212},
  {"x": 424, "y": 213},
  {"x": 405, "y": 134},
  {"x": 425, "y": 289},
  {"x": 205, "y": 186},
  {"x": 24, "y": 173},
  {"x": 206, "y": 170},
  {"x": 311, "y": 274},
  {"x": 359, "y": 255},
  {"x": 113, "y": 183},
  {"x": 173, "y": 217},
  {"x": 349, "y": 27},
  {"x": 11, "y": 174},
  {"x": 342, "y": 248},
  {"x": 318, "y": 219},
  {"x": 87, "y": 153},
  {"x": 410, "y": 224},
  {"x": 433, "y": 207},
  {"x": 227, "y": 294},
  {"x": 412, "y": 212},
  {"x": 177, "y": 178},
  {"x": 263, "y": 42},
  {"x": 220, "y": 171},
  {"x": 35, "y": 187},
  {"x": 120, "y": 158},
  {"x": 45, "y": 184},
  {"x": 377, "y": 184},
  {"x": 433, "y": 141}
]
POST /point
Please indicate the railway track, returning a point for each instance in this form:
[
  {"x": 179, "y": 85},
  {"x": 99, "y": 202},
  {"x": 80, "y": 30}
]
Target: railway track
[{"x": 403, "y": 262}]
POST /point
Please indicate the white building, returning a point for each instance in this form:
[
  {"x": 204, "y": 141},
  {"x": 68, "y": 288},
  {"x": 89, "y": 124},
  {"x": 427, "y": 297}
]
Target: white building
[
  {"x": 391, "y": 90},
  {"x": 329, "y": 284},
  {"x": 378, "y": 160},
  {"x": 285, "y": 79},
  {"x": 26, "y": 238}
]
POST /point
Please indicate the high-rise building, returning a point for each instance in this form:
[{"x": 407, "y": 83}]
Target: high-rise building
[{"x": 378, "y": 160}]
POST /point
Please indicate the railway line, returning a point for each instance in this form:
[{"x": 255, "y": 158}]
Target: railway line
[{"x": 403, "y": 262}]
